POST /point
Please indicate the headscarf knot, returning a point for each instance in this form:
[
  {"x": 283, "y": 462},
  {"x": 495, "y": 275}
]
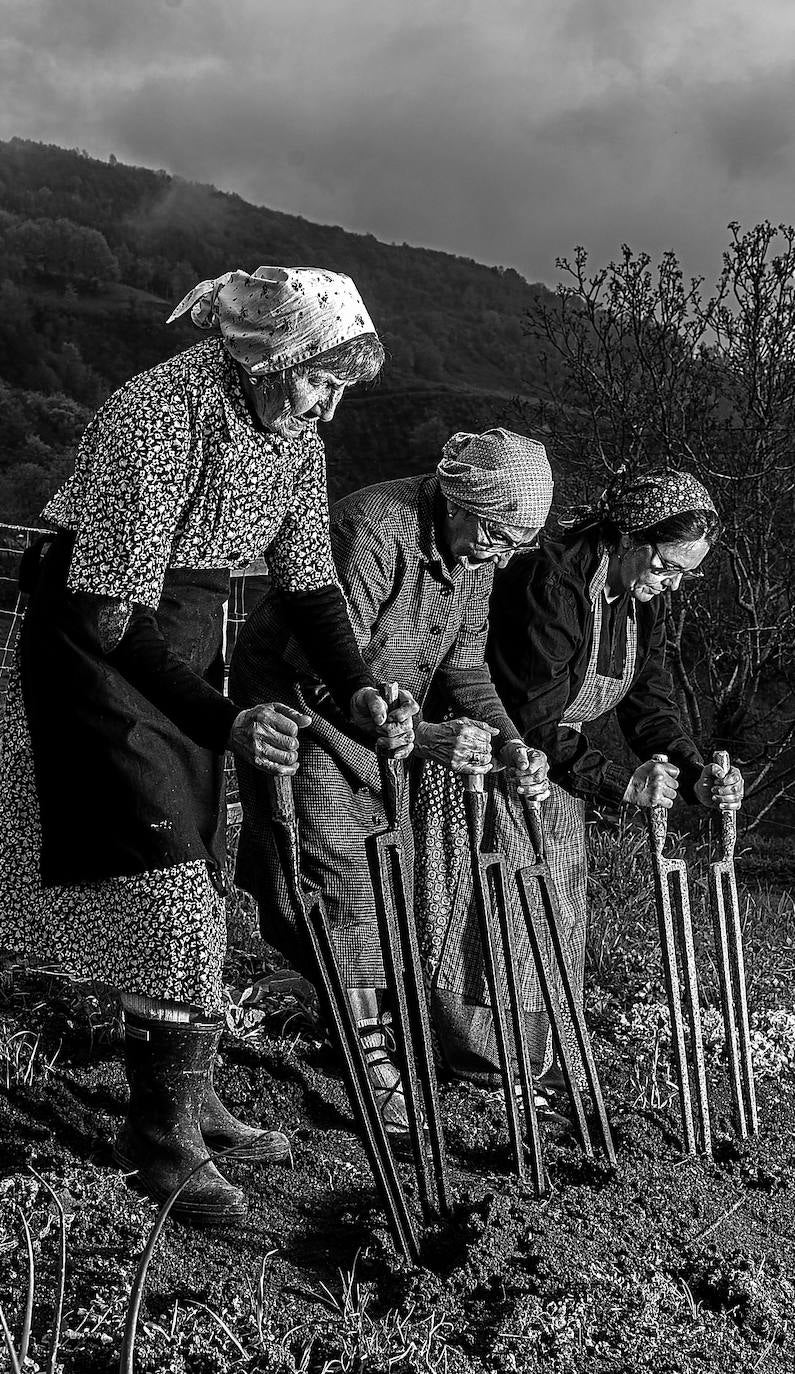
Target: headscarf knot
[{"x": 639, "y": 503}]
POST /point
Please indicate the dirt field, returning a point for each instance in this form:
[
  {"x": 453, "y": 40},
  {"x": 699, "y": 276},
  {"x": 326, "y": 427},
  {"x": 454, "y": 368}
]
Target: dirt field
[{"x": 667, "y": 1265}]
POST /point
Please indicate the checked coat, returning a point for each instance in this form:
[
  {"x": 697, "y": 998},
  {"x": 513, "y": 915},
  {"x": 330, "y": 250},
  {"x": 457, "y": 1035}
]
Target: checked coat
[{"x": 418, "y": 621}]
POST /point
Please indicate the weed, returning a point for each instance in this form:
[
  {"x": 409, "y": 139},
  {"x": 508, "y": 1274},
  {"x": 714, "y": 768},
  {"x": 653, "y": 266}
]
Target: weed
[
  {"x": 18, "y": 1354},
  {"x": 651, "y": 1081},
  {"x": 693, "y": 1307},
  {"x": 358, "y": 1340},
  {"x": 22, "y": 1058}
]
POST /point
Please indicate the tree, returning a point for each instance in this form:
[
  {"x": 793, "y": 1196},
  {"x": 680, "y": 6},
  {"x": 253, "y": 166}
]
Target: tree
[{"x": 641, "y": 370}]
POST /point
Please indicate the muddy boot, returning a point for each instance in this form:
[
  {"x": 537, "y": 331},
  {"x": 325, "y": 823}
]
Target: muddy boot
[
  {"x": 223, "y": 1133},
  {"x": 168, "y": 1066},
  {"x": 378, "y": 1046}
]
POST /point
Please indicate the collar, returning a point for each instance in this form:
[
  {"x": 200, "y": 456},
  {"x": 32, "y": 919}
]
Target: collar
[
  {"x": 429, "y": 516},
  {"x": 598, "y": 584}
]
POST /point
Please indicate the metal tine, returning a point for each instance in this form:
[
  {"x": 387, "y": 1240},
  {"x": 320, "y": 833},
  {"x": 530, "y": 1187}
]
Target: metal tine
[
  {"x": 658, "y": 831},
  {"x": 554, "y": 1013},
  {"x": 387, "y": 869},
  {"x": 725, "y": 882},
  {"x": 719, "y": 874},
  {"x": 379, "y": 856},
  {"x": 475, "y": 809},
  {"x": 492, "y": 866},
  {"x": 551, "y": 908},
  {"x": 310, "y": 912},
  {"x": 678, "y": 871}
]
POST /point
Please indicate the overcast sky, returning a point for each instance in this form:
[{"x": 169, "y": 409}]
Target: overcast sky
[{"x": 504, "y": 130}]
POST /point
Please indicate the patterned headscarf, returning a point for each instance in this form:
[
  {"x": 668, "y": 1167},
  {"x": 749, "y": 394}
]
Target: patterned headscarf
[
  {"x": 278, "y": 316},
  {"x": 643, "y": 502},
  {"x": 498, "y": 476}
]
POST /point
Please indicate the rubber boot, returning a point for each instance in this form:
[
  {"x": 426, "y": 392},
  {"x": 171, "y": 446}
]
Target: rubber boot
[
  {"x": 224, "y": 1133},
  {"x": 168, "y": 1067}
]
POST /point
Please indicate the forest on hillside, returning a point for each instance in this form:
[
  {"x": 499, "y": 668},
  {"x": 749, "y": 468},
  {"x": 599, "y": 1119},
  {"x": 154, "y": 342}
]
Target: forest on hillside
[{"x": 93, "y": 255}]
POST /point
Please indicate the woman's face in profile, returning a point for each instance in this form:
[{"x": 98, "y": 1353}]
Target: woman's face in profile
[
  {"x": 288, "y": 403},
  {"x": 647, "y": 570}
]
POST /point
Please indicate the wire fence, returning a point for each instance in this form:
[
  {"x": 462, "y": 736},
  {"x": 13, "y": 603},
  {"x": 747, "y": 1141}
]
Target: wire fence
[{"x": 14, "y": 539}]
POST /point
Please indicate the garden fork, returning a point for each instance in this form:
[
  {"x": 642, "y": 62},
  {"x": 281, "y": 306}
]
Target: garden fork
[
  {"x": 399, "y": 947},
  {"x": 511, "y": 1040},
  {"x": 311, "y": 917},
  {"x": 731, "y": 970},
  {"x": 676, "y": 927},
  {"x": 550, "y": 907}
]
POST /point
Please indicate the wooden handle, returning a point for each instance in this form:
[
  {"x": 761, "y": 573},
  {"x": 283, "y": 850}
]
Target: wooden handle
[
  {"x": 728, "y": 817},
  {"x": 280, "y": 795},
  {"x": 389, "y": 692},
  {"x": 391, "y": 769},
  {"x": 532, "y": 815},
  {"x": 658, "y": 816}
]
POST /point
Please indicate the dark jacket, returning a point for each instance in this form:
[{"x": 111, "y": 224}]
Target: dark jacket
[{"x": 541, "y": 627}]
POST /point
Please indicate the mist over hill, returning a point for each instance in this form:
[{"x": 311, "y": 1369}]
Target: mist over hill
[{"x": 93, "y": 255}]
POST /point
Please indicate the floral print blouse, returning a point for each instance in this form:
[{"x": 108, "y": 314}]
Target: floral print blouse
[{"x": 174, "y": 471}]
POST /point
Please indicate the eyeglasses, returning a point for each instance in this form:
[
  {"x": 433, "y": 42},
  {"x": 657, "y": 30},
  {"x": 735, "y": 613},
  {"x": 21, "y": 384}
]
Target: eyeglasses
[
  {"x": 670, "y": 570},
  {"x": 497, "y": 537}
]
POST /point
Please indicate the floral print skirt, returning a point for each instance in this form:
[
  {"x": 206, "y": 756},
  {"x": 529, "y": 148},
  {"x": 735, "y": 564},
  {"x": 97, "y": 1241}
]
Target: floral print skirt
[{"x": 159, "y": 934}]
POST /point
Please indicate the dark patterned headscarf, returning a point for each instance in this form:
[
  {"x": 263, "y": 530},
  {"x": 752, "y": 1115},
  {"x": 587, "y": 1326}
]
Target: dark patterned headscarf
[{"x": 646, "y": 501}]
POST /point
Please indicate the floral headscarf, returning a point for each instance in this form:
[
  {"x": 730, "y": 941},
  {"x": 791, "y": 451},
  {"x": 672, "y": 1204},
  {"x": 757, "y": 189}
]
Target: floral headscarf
[
  {"x": 276, "y": 317},
  {"x": 498, "y": 476},
  {"x": 645, "y": 501}
]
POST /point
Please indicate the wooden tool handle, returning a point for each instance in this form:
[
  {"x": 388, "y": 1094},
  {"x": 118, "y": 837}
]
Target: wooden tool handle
[
  {"x": 658, "y": 816},
  {"x": 391, "y": 769},
  {"x": 531, "y": 809},
  {"x": 389, "y": 692},
  {"x": 728, "y": 817},
  {"x": 280, "y": 794}
]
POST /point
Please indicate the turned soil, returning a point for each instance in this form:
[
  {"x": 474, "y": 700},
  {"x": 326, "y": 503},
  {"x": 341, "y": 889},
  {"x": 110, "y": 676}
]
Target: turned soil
[{"x": 666, "y": 1264}]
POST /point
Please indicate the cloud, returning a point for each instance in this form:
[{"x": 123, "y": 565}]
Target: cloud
[{"x": 506, "y": 132}]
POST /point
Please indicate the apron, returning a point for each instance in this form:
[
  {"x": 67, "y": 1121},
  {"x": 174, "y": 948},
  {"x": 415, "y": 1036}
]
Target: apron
[
  {"x": 121, "y": 789},
  {"x": 449, "y": 931}
]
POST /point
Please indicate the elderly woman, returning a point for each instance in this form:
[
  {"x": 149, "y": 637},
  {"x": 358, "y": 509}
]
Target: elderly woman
[
  {"x": 111, "y": 835},
  {"x": 577, "y": 631},
  {"x": 416, "y": 559}
]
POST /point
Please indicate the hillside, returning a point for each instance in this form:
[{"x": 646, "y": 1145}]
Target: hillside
[{"x": 93, "y": 255}]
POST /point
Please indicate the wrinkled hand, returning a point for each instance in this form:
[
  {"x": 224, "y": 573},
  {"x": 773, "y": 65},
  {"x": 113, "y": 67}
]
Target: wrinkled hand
[
  {"x": 393, "y": 725},
  {"x": 653, "y": 784},
  {"x": 527, "y": 768},
  {"x": 267, "y": 736},
  {"x": 718, "y": 789},
  {"x": 464, "y": 745}
]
